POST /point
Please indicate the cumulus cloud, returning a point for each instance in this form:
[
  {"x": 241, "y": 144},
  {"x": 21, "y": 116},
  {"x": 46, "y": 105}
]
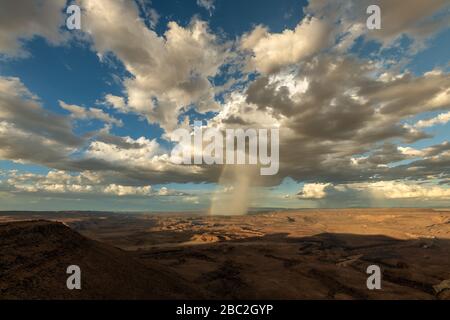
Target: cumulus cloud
[
  {"x": 333, "y": 111},
  {"x": 59, "y": 182},
  {"x": 169, "y": 72},
  {"x": 313, "y": 191},
  {"x": 128, "y": 190},
  {"x": 138, "y": 152},
  {"x": 380, "y": 190},
  {"x": 402, "y": 190},
  {"x": 31, "y": 134},
  {"x": 22, "y": 19},
  {"x": 416, "y": 19},
  {"x": 272, "y": 51}
]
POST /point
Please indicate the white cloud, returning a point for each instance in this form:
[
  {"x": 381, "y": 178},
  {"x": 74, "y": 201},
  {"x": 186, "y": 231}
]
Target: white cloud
[
  {"x": 442, "y": 118},
  {"x": 141, "y": 153},
  {"x": 314, "y": 191},
  {"x": 272, "y": 51},
  {"x": 411, "y": 152},
  {"x": 128, "y": 190},
  {"x": 168, "y": 72},
  {"x": 81, "y": 113},
  {"x": 60, "y": 182},
  {"x": 389, "y": 190},
  {"x": 405, "y": 190},
  {"x": 53, "y": 182},
  {"x": 190, "y": 199},
  {"x": 207, "y": 4},
  {"x": 116, "y": 102}
]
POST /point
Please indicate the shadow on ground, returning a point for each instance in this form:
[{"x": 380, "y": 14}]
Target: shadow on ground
[{"x": 34, "y": 257}]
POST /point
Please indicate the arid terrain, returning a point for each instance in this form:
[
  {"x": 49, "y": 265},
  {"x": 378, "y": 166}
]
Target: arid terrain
[{"x": 303, "y": 254}]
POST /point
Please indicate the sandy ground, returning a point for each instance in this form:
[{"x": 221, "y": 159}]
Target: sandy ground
[{"x": 308, "y": 254}]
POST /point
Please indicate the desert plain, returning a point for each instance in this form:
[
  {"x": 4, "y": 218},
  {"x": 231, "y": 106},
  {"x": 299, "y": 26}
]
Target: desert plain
[{"x": 285, "y": 254}]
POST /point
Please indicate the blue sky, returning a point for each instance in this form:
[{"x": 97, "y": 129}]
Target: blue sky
[{"x": 87, "y": 116}]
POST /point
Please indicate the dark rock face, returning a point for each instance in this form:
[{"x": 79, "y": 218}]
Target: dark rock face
[{"x": 34, "y": 257}]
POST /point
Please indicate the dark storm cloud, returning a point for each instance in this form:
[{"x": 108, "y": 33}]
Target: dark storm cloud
[{"x": 347, "y": 110}]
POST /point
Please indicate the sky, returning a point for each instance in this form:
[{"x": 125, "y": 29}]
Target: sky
[{"x": 88, "y": 117}]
